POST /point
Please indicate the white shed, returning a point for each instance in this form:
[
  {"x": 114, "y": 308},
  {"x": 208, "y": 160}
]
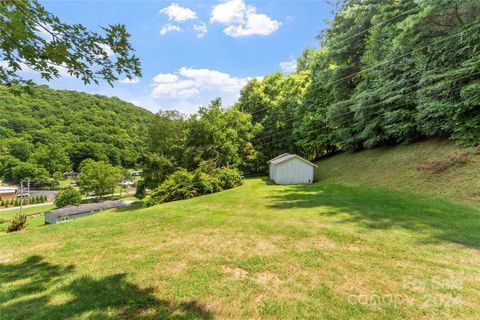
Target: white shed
[{"x": 290, "y": 169}]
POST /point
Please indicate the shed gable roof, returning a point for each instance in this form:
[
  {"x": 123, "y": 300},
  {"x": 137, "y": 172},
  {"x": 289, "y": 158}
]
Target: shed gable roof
[
  {"x": 68, "y": 210},
  {"x": 286, "y": 156},
  {"x": 7, "y": 189}
]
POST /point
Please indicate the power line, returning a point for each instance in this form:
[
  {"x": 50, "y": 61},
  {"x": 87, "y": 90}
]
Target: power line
[
  {"x": 349, "y": 112},
  {"x": 474, "y": 25},
  {"x": 381, "y": 23},
  {"x": 365, "y": 108},
  {"x": 389, "y": 82},
  {"x": 291, "y": 137}
]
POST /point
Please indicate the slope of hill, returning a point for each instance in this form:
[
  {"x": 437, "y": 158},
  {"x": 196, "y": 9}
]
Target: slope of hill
[
  {"x": 435, "y": 167},
  {"x": 110, "y": 127},
  {"x": 262, "y": 251}
]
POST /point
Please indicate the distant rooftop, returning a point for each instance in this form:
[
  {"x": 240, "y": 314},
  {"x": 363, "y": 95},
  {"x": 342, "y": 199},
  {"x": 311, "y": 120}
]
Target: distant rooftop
[{"x": 68, "y": 210}]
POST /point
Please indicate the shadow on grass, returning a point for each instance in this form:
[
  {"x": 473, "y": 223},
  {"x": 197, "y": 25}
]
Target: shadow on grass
[
  {"x": 36, "y": 288},
  {"x": 383, "y": 209}
]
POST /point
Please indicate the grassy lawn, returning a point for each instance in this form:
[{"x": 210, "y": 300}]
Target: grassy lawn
[
  {"x": 396, "y": 168},
  {"x": 9, "y": 214},
  {"x": 321, "y": 251}
]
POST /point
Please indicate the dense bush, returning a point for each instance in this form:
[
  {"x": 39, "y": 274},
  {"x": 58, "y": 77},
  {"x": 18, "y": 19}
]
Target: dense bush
[
  {"x": 18, "y": 223},
  {"x": 67, "y": 197},
  {"x": 184, "y": 185},
  {"x": 228, "y": 178}
]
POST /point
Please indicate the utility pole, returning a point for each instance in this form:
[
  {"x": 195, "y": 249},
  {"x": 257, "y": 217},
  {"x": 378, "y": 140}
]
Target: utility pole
[
  {"x": 21, "y": 197},
  {"x": 28, "y": 191}
]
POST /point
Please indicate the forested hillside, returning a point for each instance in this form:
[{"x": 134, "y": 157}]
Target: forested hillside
[
  {"x": 385, "y": 73},
  {"x": 52, "y": 131}
]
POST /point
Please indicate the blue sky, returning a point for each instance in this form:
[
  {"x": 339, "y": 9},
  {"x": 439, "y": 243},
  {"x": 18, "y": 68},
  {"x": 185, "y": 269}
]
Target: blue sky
[{"x": 194, "y": 51}]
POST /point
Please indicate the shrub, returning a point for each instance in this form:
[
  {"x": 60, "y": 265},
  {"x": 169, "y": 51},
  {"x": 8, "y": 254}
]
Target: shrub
[
  {"x": 18, "y": 223},
  {"x": 204, "y": 183},
  {"x": 228, "y": 177},
  {"x": 179, "y": 185},
  {"x": 184, "y": 185},
  {"x": 463, "y": 158},
  {"x": 67, "y": 197},
  {"x": 438, "y": 166},
  {"x": 141, "y": 190}
]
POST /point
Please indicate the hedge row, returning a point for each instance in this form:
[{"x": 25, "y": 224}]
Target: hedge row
[{"x": 184, "y": 185}]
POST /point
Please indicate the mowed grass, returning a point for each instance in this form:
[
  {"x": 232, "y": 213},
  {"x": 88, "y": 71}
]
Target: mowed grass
[
  {"x": 396, "y": 168},
  {"x": 320, "y": 251},
  {"x": 7, "y": 215}
]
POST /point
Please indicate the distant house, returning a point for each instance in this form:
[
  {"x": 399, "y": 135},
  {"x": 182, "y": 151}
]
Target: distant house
[
  {"x": 127, "y": 183},
  {"x": 8, "y": 193},
  {"x": 70, "y": 175},
  {"x": 74, "y": 212},
  {"x": 290, "y": 169}
]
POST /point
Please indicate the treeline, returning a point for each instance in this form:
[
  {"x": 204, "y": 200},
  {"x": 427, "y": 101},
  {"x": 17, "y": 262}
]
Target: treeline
[
  {"x": 195, "y": 155},
  {"x": 48, "y": 132},
  {"x": 23, "y": 201},
  {"x": 386, "y": 72}
]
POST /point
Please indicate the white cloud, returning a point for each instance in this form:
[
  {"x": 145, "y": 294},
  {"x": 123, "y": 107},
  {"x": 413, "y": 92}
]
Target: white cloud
[
  {"x": 289, "y": 66},
  {"x": 169, "y": 28},
  {"x": 129, "y": 81},
  {"x": 106, "y": 48},
  {"x": 243, "y": 20},
  {"x": 45, "y": 32},
  {"x": 212, "y": 79},
  {"x": 190, "y": 83},
  {"x": 165, "y": 78},
  {"x": 178, "y": 13},
  {"x": 201, "y": 29},
  {"x": 179, "y": 89},
  {"x": 232, "y": 11}
]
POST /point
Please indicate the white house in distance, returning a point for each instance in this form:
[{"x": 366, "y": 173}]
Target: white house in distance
[
  {"x": 290, "y": 169},
  {"x": 70, "y": 213}
]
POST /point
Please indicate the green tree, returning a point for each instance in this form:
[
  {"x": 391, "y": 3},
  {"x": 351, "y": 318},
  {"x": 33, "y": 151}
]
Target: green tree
[
  {"x": 167, "y": 135},
  {"x": 87, "y": 150},
  {"x": 20, "y": 149},
  {"x": 156, "y": 169},
  {"x": 26, "y": 170},
  {"x": 32, "y": 37},
  {"x": 98, "y": 177},
  {"x": 67, "y": 197},
  {"x": 53, "y": 158},
  {"x": 219, "y": 136}
]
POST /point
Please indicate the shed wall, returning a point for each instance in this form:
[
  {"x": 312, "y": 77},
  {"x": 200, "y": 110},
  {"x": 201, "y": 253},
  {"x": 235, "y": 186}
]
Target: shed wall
[
  {"x": 49, "y": 219},
  {"x": 8, "y": 196},
  {"x": 291, "y": 172}
]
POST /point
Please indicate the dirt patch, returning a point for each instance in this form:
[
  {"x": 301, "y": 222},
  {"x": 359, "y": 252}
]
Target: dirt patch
[
  {"x": 320, "y": 242},
  {"x": 236, "y": 273},
  {"x": 267, "y": 278},
  {"x": 217, "y": 243},
  {"x": 178, "y": 268}
]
